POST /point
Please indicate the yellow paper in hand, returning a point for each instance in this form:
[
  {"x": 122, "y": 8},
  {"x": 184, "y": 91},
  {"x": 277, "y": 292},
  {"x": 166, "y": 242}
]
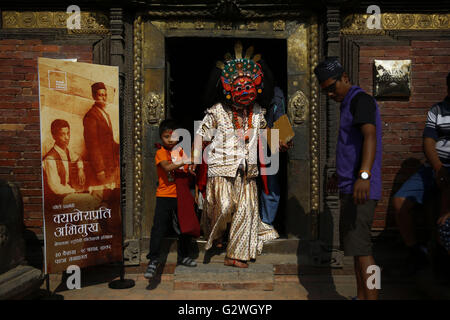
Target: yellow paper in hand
[{"x": 285, "y": 131}]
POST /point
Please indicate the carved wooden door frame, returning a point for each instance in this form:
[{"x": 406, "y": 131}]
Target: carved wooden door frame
[{"x": 302, "y": 99}]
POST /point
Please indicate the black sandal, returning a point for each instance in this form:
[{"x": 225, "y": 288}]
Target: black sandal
[{"x": 188, "y": 262}]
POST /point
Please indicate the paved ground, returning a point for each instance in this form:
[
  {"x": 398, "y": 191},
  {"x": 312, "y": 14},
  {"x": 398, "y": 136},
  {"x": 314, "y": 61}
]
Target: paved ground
[
  {"x": 291, "y": 282},
  {"x": 285, "y": 288}
]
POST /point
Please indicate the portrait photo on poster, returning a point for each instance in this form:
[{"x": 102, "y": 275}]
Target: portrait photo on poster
[{"x": 79, "y": 113}]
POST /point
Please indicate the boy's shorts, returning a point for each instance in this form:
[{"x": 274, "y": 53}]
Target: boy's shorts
[
  {"x": 355, "y": 224},
  {"x": 418, "y": 186}
]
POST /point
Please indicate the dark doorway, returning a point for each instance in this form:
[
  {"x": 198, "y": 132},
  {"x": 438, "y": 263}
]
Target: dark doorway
[{"x": 190, "y": 61}]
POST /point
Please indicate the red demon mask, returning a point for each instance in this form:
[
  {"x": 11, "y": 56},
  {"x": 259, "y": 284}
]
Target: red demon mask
[{"x": 242, "y": 77}]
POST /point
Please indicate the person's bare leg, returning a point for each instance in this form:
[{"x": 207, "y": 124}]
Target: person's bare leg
[
  {"x": 363, "y": 262},
  {"x": 404, "y": 220}
]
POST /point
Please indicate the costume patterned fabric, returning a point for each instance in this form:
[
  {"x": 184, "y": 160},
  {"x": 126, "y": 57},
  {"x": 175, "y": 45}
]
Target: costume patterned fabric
[
  {"x": 231, "y": 188},
  {"x": 235, "y": 201}
]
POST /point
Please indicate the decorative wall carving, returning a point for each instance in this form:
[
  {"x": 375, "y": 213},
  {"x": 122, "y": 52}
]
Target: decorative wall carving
[
  {"x": 252, "y": 25},
  {"x": 91, "y": 22},
  {"x": 154, "y": 108},
  {"x": 356, "y": 23},
  {"x": 138, "y": 89},
  {"x": 173, "y": 24},
  {"x": 279, "y": 25},
  {"x": 330, "y": 201},
  {"x": 298, "y": 107},
  {"x": 314, "y": 117},
  {"x": 199, "y": 25},
  {"x": 131, "y": 252}
]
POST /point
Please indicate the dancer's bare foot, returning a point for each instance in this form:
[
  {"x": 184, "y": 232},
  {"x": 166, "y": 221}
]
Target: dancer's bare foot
[{"x": 235, "y": 263}]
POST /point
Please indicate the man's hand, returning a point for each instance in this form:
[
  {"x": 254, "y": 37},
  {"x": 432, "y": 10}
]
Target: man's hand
[
  {"x": 286, "y": 146},
  {"x": 361, "y": 191},
  {"x": 332, "y": 184}
]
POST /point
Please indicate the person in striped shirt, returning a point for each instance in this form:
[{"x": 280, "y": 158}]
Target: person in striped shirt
[{"x": 431, "y": 177}]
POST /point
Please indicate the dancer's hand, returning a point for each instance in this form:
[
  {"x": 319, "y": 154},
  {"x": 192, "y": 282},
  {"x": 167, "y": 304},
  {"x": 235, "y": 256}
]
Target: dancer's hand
[{"x": 192, "y": 168}]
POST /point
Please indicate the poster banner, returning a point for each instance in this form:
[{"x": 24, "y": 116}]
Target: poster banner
[{"x": 79, "y": 112}]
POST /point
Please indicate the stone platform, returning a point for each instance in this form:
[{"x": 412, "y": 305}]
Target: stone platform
[{"x": 216, "y": 276}]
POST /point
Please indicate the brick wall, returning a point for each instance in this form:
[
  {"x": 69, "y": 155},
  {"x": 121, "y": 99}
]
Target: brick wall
[
  {"x": 19, "y": 117},
  {"x": 403, "y": 121}
]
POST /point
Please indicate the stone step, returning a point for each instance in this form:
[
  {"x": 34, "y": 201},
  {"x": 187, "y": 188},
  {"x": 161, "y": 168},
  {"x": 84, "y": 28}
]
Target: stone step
[
  {"x": 20, "y": 282},
  {"x": 285, "y": 246},
  {"x": 283, "y": 264},
  {"x": 216, "y": 276}
]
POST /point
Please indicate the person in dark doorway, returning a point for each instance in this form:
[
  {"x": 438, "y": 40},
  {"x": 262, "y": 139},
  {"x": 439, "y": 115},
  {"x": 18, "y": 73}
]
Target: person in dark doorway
[
  {"x": 102, "y": 152},
  {"x": 431, "y": 177},
  {"x": 358, "y": 168},
  {"x": 269, "y": 202}
]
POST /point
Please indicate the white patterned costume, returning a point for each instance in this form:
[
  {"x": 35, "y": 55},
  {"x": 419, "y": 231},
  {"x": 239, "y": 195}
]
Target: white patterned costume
[{"x": 231, "y": 188}]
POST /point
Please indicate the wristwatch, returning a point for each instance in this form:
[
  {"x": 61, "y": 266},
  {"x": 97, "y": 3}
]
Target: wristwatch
[{"x": 364, "y": 174}]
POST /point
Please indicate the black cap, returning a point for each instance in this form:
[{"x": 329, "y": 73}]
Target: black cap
[
  {"x": 97, "y": 86},
  {"x": 330, "y": 68}
]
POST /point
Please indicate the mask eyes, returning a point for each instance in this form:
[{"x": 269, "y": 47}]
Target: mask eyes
[{"x": 239, "y": 89}]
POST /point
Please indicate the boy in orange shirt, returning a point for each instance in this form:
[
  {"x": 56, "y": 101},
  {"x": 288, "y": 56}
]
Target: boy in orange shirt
[{"x": 166, "y": 203}]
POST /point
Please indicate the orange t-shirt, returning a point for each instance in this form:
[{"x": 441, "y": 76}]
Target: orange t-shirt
[{"x": 165, "y": 188}]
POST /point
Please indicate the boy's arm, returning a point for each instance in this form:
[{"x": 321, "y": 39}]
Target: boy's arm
[
  {"x": 168, "y": 166},
  {"x": 429, "y": 147}
]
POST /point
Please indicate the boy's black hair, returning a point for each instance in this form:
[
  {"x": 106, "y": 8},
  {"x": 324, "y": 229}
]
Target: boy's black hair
[
  {"x": 167, "y": 124},
  {"x": 57, "y": 125},
  {"x": 448, "y": 80}
]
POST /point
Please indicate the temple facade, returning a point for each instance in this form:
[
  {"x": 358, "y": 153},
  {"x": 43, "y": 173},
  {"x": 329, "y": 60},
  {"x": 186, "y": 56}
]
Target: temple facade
[{"x": 164, "y": 51}]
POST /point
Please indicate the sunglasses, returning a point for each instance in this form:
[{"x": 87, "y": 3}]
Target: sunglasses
[{"x": 331, "y": 88}]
